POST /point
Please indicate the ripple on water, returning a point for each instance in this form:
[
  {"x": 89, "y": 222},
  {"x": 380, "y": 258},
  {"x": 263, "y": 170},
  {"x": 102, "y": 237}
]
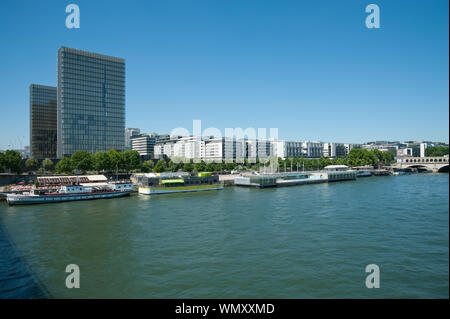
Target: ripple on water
[{"x": 292, "y": 242}]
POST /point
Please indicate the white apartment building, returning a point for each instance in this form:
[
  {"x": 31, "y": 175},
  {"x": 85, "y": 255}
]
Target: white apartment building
[
  {"x": 189, "y": 147},
  {"x": 214, "y": 149},
  {"x": 312, "y": 149},
  {"x": 284, "y": 149},
  {"x": 225, "y": 149}
]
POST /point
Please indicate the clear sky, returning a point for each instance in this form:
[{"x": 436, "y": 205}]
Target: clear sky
[{"x": 309, "y": 68}]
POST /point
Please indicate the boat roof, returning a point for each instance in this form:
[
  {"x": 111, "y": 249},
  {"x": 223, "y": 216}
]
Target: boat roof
[{"x": 336, "y": 166}]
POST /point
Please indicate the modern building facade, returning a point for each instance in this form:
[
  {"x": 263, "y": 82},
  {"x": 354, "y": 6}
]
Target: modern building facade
[
  {"x": 129, "y": 134},
  {"x": 91, "y": 102},
  {"x": 312, "y": 149},
  {"x": 284, "y": 149},
  {"x": 43, "y": 122},
  {"x": 144, "y": 145},
  {"x": 334, "y": 150}
]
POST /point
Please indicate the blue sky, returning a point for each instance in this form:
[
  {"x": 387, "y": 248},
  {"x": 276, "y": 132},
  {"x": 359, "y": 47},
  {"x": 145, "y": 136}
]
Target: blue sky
[{"x": 310, "y": 68}]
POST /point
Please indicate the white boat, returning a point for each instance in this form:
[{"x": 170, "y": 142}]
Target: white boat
[
  {"x": 69, "y": 193},
  {"x": 363, "y": 173}
]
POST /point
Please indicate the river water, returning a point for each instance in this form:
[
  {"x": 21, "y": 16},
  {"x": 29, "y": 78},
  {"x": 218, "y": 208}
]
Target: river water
[{"x": 311, "y": 241}]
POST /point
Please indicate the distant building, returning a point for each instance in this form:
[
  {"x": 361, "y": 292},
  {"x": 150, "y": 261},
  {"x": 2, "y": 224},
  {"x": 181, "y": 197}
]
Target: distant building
[
  {"x": 91, "y": 102},
  {"x": 383, "y": 147},
  {"x": 423, "y": 147},
  {"x": 225, "y": 149},
  {"x": 284, "y": 149},
  {"x": 349, "y": 147},
  {"x": 43, "y": 122},
  {"x": 129, "y": 133},
  {"x": 312, "y": 149},
  {"x": 334, "y": 150},
  {"x": 143, "y": 144}
]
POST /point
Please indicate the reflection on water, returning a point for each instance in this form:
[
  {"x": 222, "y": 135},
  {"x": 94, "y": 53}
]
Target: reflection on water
[{"x": 293, "y": 242}]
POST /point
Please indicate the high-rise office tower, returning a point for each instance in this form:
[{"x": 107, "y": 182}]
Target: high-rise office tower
[
  {"x": 43, "y": 121},
  {"x": 91, "y": 102}
]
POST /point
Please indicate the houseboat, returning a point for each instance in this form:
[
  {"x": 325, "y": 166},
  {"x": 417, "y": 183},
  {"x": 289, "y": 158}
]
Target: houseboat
[
  {"x": 150, "y": 184},
  {"x": 67, "y": 193}
]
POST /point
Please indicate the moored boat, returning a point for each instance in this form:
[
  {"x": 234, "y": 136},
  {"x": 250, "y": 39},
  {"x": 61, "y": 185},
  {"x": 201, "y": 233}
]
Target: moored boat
[
  {"x": 70, "y": 193},
  {"x": 160, "y": 184},
  {"x": 363, "y": 173}
]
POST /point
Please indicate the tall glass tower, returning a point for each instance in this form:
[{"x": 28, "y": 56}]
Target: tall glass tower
[
  {"x": 91, "y": 102},
  {"x": 43, "y": 121}
]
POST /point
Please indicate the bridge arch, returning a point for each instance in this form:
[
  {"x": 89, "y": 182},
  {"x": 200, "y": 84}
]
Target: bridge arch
[{"x": 444, "y": 169}]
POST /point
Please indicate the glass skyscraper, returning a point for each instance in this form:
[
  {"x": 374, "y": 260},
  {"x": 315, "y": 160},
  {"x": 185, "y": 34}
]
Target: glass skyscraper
[
  {"x": 43, "y": 122},
  {"x": 91, "y": 102}
]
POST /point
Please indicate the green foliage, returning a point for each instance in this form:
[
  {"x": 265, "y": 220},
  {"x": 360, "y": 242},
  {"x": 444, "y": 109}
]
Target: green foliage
[
  {"x": 2, "y": 162},
  {"x": 188, "y": 167},
  {"x": 36, "y": 183},
  {"x": 31, "y": 164},
  {"x": 436, "y": 151},
  {"x": 210, "y": 167},
  {"x": 172, "y": 167},
  {"x": 147, "y": 167},
  {"x": 47, "y": 164},
  {"x": 115, "y": 160},
  {"x": 160, "y": 166},
  {"x": 200, "y": 166},
  {"x": 130, "y": 160},
  {"x": 361, "y": 157},
  {"x": 101, "y": 161},
  {"x": 11, "y": 160},
  {"x": 64, "y": 166},
  {"x": 81, "y": 160}
]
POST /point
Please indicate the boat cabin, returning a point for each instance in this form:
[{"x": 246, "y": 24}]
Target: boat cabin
[{"x": 74, "y": 189}]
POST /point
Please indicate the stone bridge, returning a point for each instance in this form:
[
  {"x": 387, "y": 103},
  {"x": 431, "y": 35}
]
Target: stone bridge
[{"x": 436, "y": 164}]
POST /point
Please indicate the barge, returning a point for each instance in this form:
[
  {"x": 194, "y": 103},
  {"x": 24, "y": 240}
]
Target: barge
[
  {"x": 67, "y": 193},
  {"x": 150, "y": 184}
]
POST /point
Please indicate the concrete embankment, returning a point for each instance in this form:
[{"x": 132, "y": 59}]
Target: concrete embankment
[{"x": 227, "y": 180}]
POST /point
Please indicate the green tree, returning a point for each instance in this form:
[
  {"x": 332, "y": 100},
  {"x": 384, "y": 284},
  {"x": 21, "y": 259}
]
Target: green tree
[
  {"x": 81, "y": 160},
  {"x": 2, "y": 162},
  {"x": 436, "y": 151},
  {"x": 173, "y": 167},
  {"x": 361, "y": 157},
  {"x": 47, "y": 164},
  {"x": 189, "y": 166},
  {"x": 147, "y": 166},
  {"x": 388, "y": 157},
  {"x": 160, "y": 166},
  {"x": 115, "y": 160},
  {"x": 131, "y": 160},
  {"x": 324, "y": 161},
  {"x": 200, "y": 167},
  {"x": 101, "y": 161},
  {"x": 210, "y": 167},
  {"x": 64, "y": 166},
  {"x": 31, "y": 164},
  {"x": 13, "y": 161}
]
